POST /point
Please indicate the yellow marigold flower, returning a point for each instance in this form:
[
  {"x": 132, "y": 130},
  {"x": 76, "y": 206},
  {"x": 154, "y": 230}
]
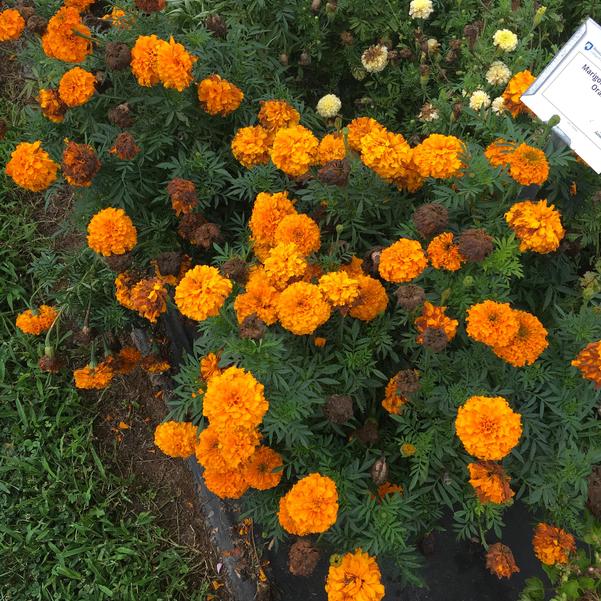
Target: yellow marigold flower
[
  {"x": 93, "y": 377},
  {"x": 385, "y": 153},
  {"x": 339, "y": 289},
  {"x": 310, "y": 506},
  {"x": 294, "y": 150},
  {"x": 31, "y": 167},
  {"x": 80, "y": 163},
  {"x": 499, "y": 152},
  {"x": 500, "y": 561},
  {"x": 268, "y": 211},
  {"x": 283, "y": 264},
  {"x": 174, "y": 65},
  {"x": 319, "y": 341},
  {"x": 588, "y": 362},
  {"x": 111, "y": 232},
  {"x": 498, "y": 74},
  {"x": 435, "y": 317},
  {"x": 356, "y": 577},
  {"x": 528, "y": 165},
  {"x": 225, "y": 483},
  {"x": 12, "y": 24},
  {"x": 393, "y": 401},
  {"x": 36, "y": 321},
  {"x": 552, "y": 545},
  {"x": 52, "y": 106},
  {"x": 144, "y": 60},
  {"x": 375, "y": 58},
  {"x": 218, "y": 96},
  {"x": 505, "y": 39},
  {"x": 263, "y": 470},
  {"x": 208, "y": 450},
  {"x": 408, "y": 449},
  {"x": 176, "y": 439},
  {"x": 276, "y": 114},
  {"x": 487, "y": 427},
  {"x": 209, "y": 366},
  {"x": 479, "y": 100},
  {"x": 372, "y": 299},
  {"x": 328, "y": 106},
  {"x": 250, "y": 146},
  {"x": 202, "y": 292},
  {"x": 67, "y": 38},
  {"x": 234, "y": 399},
  {"x": 301, "y": 230},
  {"x": 516, "y": 87},
  {"x": 527, "y": 345},
  {"x": 360, "y": 127},
  {"x": 149, "y": 298},
  {"x": 403, "y": 261},
  {"x": 302, "y": 309},
  {"x": 537, "y": 225},
  {"x": 490, "y": 482},
  {"x": 444, "y": 253},
  {"x": 76, "y": 87},
  {"x": 420, "y": 9},
  {"x": 260, "y": 298},
  {"x": 331, "y": 148},
  {"x": 237, "y": 445},
  {"x": 492, "y": 323},
  {"x": 439, "y": 156}
]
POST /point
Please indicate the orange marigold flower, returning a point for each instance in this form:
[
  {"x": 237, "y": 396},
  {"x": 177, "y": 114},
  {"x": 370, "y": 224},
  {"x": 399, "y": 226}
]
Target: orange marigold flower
[
  {"x": 360, "y": 127},
  {"x": 411, "y": 180},
  {"x": 356, "y": 577},
  {"x": 302, "y": 309},
  {"x": 339, "y": 289},
  {"x": 354, "y": 268},
  {"x": 537, "y": 225},
  {"x": 310, "y": 506},
  {"x": 52, "y": 106},
  {"x": 588, "y": 362},
  {"x": 439, "y": 156},
  {"x": 153, "y": 364},
  {"x": 144, "y": 60},
  {"x": 76, "y": 87},
  {"x": 31, "y": 167},
  {"x": 234, "y": 398},
  {"x": 36, "y": 321},
  {"x": 499, "y": 152},
  {"x": 218, "y": 96},
  {"x": 250, "y": 146},
  {"x": 202, "y": 292},
  {"x": 93, "y": 377},
  {"x": 393, "y": 401},
  {"x": 385, "y": 153},
  {"x": 119, "y": 18},
  {"x": 294, "y": 150},
  {"x": 125, "y": 147},
  {"x": 80, "y": 164},
  {"x": 208, "y": 450},
  {"x": 284, "y": 264},
  {"x": 225, "y": 483},
  {"x": 80, "y": 5},
  {"x": 527, "y": 345},
  {"x": 12, "y": 24},
  {"x": 276, "y": 114},
  {"x": 263, "y": 470},
  {"x": 444, "y": 253},
  {"x": 372, "y": 299},
  {"x": 176, "y": 439},
  {"x": 174, "y": 65},
  {"x": 237, "y": 445},
  {"x": 319, "y": 341},
  {"x": 552, "y": 544},
  {"x": 126, "y": 360},
  {"x": 512, "y": 95},
  {"x": 492, "y": 323},
  {"x": 149, "y": 298},
  {"x": 124, "y": 282},
  {"x": 434, "y": 317},
  {"x": 209, "y": 366},
  {"x": 298, "y": 229},
  {"x": 490, "y": 481},
  {"x": 487, "y": 427},
  {"x": 403, "y": 261},
  {"x": 268, "y": 211},
  {"x": 111, "y": 232},
  {"x": 67, "y": 38},
  {"x": 528, "y": 165},
  {"x": 260, "y": 298},
  {"x": 500, "y": 561},
  {"x": 182, "y": 193},
  {"x": 389, "y": 489},
  {"x": 331, "y": 148}
]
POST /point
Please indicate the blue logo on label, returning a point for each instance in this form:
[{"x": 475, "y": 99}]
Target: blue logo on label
[{"x": 588, "y": 46}]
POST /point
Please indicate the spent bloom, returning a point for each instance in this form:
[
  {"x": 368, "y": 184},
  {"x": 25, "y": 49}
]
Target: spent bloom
[
  {"x": 505, "y": 39},
  {"x": 552, "y": 545},
  {"x": 328, "y": 106},
  {"x": 375, "y": 58},
  {"x": 500, "y": 561}
]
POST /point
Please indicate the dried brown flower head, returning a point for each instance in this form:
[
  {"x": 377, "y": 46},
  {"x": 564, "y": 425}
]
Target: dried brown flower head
[{"x": 475, "y": 244}]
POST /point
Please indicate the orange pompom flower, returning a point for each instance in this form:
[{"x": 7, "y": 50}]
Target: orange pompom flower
[
  {"x": 276, "y": 114},
  {"x": 218, "y": 96},
  {"x": 208, "y": 451},
  {"x": 552, "y": 545},
  {"x": 386, "y": 153},
  {"x": 80, "y": 5},
  {"x": 435, "y": 317},
  {"x": 174, "y": 65},
  {"x": 260, "y": 299},
  {"x": 527, "y": 345},
  {"x": 500, "y": 561},
  {"x": 126, "y": 360},
  {"x": 403, "y": 261},
  {"x": 263, "y": 470},
  {"x": 294, "y": 150},
  {"x": 267, "y": 213},
  {"x": 31, "y": 167},
  {"x": 498, "y": 153},
  {"x": 284, "y": 264},
  {"x": 528, "y": 165},
  {"x": 119, "y": 19},
  {"x": 80, "y": 164},
  {"x": 372, "y": 299},
  {"x": 439, "y": 156},
  {"x": 492, "y": 323},
  {"x": 331, "y": 148},
  {"x": 516, "y": 87},
  {"x": 12, "y": 24},
  {"x": 588, "y": 362},
  {"x": 225, "y": 483},
  {"x": 302, "y": 309},
  {"x": 93, "y": 377},
  {"x": 52, "y": 106},
  {"x": 490, "y": 481},
  {"x": 67, "y": 38},
  {"x": 202, "y": 292},
  {"x": 176, "y": 439},
  {"x": 339, "y": 289},
  {"x": 76, "y": 87},
  {"x": 237, "y": 445},
  {"x": 250, "y": 146},
  {"x": 537, "y": 225},
  {"x": 209, "y": 366},
  {"x": 310, "y": 506},
  {"x": 36, "y": 321},
  {"x": 487, "y": 427},
  {"x": 111, "y": 232},
  {"x": 444, "y": 253},
  {"x": 393, "y": 401},
  {"x": 298, "y": 229},
  {"x": 144, "y": 60},
  {"x": 360, "y": 127},
  {"x": 355, "y": 578}
]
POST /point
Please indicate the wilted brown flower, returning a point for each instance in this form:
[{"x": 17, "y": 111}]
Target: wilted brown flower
[
  {"x": 475, "y": 245},
  {"x": 150, "y": 6},
  {"x": 37, "y": 24},
  {"x": 302, "y": 558},
  {"x": 500, "y": 561},
  {"x": 117, "y": 56},
  {"x": 205, "y": 235},
  {"x": 379, "y": 471},
  {"x": 368, "y": 433},
  {"x": 235, "y": 269},
  {"x": 410, "y": 296},
  {"x": 169, "y": 262},
  {"x": 125, "y": 147},
  {"x": 407, "y": 381},
  {"x": 121, "y": 116},
  {"x": 339, "y": 408},
  {"x": 430, "y": 218},
  {"x": 119, "y": 263},
  {"x": 252, "y": 328},
  {"x": 216, "y": 25},
  {"x": 335, "y": 173},
  {"x": 347, "y": 38},
  {"x": 80, "y": 163},
  {"x": 435, "y": 339},
  {"x": 188, "y": 223},
  {"x": 183, "y": 195}
]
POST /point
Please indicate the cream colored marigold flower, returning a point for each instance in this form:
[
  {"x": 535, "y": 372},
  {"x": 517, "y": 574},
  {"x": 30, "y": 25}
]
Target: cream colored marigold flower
[
  {"x": 505, "y": 39},
  {"x": 328, "y": 106},
  {"x": 498, "y": 74},
  {"x": 420, "y": 9},
  {"x": 498, "y": 105},
  {"x": 375, "y": 58},
  {"x": 479, "y": 100}
]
